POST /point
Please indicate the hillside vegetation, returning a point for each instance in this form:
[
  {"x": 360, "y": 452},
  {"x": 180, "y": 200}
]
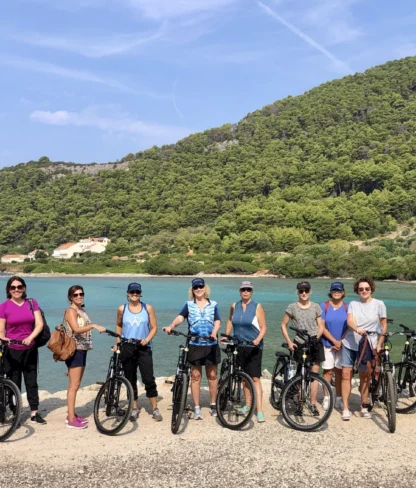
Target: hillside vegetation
[{"x": 308, "y": 172}]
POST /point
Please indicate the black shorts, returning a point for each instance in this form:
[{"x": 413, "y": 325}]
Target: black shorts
[
  {"x": 204, "y": 355},
  {"x": 249, "y": 358},
  {"x": 317, "y": 353},
  {"x": 78, "y": 360}
]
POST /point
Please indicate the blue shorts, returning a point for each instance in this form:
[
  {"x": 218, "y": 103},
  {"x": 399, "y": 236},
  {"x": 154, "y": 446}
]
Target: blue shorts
[
  {"x": 349, "y": 358},
  {"x": 78, "y": 360}
]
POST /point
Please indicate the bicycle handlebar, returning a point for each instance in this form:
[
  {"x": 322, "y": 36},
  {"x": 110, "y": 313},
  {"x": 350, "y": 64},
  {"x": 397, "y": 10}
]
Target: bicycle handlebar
[
  {"x": 11, "y": 341},
  {"x": 302, "y": 332},
  {"x": 112, "y": 334},
  {"x": 236, "y": 341},
  {"x": 192, "y": 337}
]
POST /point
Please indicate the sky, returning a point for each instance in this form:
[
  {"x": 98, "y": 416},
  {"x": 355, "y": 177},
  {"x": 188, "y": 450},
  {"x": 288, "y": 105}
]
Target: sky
[{"x": 93, "y": 80}]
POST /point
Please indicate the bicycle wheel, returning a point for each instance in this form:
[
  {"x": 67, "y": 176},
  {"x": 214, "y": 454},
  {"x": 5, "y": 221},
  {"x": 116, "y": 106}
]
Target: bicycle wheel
[
  {"x": 10, "y": 408},
  {"x": 405, "y": 374},
  {"x": 113, "y": 405},
  {"x": 277, "y": 383},
  {"x": 298, "y": 402},
  {"x": 390, "y": 400},
  {"x": 180, "y": 393},
  {"x": 236, "y": 400}
]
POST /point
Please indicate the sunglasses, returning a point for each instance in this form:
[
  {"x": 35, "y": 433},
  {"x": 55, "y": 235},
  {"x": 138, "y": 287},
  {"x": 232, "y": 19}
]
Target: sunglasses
[
  {"x": 336, "y": 291},
  {"x": 18, "y": 287},
  {"x": 135, "y": 292},
  {"x": 81, "y": 294},
  {"x": 301, "y": 292},
  {"x": 366, "y": 288},
  {"x": 246, "y": 289},
  {"x": 198, "y": 287}
]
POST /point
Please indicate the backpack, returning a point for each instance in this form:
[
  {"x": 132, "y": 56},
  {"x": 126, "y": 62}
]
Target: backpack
[
  {"x": 44, "y": 336},
  {"x": 61, "y": 344},
  {"x": 327, "y": 306}
]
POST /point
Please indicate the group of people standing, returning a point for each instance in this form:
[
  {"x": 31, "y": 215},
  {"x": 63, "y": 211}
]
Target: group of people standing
[{"x": 335, "y": 328}]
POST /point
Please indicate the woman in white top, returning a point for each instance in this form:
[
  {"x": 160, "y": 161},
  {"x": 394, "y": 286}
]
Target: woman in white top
[{"x": 367, "y": 314}]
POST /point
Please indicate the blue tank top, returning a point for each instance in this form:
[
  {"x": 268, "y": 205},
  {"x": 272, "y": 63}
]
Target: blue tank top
[
  {"x": 245, "y": 324},
  {"x": 135, "y": 325}
]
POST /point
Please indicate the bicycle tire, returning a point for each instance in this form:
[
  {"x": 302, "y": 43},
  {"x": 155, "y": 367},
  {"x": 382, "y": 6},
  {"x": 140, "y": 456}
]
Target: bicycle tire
[
  {"x": 225, "y": 366},
  {"x": 113, "y": 409},
  {"x": 9, "y": 417},
  {"x": 180, "y": 393},
  {"x": 405, "y": 374},
  {"x": 277, "y": 383},
  {"x": 293, "y": 410},
  {"x": 229, "y": 403},
  {"x": 390, "y": 400}
]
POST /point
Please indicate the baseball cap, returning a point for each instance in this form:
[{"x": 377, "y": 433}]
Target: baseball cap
[
  {"x": 198, "y": 282},
  {"x": 134, "y": 287},
  {"x": 246, "y": 284},
  {"x": 337, "y": 286},
  {"x": 303, "y": 285}
]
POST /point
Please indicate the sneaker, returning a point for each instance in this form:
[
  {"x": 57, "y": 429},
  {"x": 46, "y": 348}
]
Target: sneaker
[
  {"x": 339, "y": 404},
  {"x": 79, "y": 417},
  {"x": 325, "y": 403},
  {"x": 346, "y": 415},
  {"x": 197, "y": 413},
  {"x": 213, "y": 410},
  {"x": 37, "y": 419},
  {"x": 314, "y": 411},
  {"x": 365, "y": 413},
  {"x": 76, "y": 424},
  {"x": 260, "y": 417},
  {"x": 244, "y": 410},
  {"x": 134, "y": 414},
  {"x": 157, "y": 415}
]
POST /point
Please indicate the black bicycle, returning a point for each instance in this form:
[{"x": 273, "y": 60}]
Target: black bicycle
[
  {"x": 383, "y": 382},
  {"x": 405, "y": 373},
  {"x": 302, "y": 395},
  {"x": 114, "y": 401},
  {"x": 284, "y": 369},
  {"x": 236, "y": 397},
  {"x": 182, "y": 378},
  {"x": 10, "y": 399}
]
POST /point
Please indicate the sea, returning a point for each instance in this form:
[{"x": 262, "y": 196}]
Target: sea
[{"x": 167, "y": 295}]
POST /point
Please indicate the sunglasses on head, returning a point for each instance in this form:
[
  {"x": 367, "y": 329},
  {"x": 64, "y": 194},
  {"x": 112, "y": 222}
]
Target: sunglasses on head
[
  {"x": 80, "y": 294},
  {"x": 246, "y": 289},
  {"x": 18, "y": 287},
  {"x": 198, "y": 287},
  {"x": 364, "y": 288},
  {"x": 303, "y": 291}
]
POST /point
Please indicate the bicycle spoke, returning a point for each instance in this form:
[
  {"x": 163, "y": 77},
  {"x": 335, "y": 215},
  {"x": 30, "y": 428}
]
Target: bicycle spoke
[{"x": 10, "y": 408}]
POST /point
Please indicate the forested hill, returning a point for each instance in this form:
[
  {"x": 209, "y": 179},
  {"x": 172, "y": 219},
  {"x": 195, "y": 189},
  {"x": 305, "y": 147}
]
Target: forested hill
[{"x": 338, "y": 162}]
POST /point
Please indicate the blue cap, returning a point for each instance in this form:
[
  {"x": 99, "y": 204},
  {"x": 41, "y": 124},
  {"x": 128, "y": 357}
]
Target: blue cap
[
  {"x": 134, "y": 287},
  {"x": 337, "y": 286},
  {"x": 198, "y": 282}
]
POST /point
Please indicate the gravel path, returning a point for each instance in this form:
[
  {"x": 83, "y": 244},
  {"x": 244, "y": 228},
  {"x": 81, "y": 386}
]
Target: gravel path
[{"x": 359, "y": 453}]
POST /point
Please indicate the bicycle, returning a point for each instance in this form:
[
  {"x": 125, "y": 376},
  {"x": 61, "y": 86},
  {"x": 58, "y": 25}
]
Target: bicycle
[
  {"x": 182, "y": 378},
  {"x": 301, "y": 394},
  {"x": 10, "y": 398},
  {"x": 114, "y": 401},
  {"x": 383, "y": 383},
  {"x": 236, "y": 397},
  {"x": 284, "y": 369},
  {"x": 405, "y": 373}
]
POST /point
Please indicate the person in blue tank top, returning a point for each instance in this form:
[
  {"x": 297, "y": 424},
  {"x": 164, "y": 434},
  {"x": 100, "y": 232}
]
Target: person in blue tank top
[
  {"x": 248, "y": 322},
  {"x": 136, "y": 322},
  {"x": 334, "y": 315},
  {"x": 203, "y": 320}
]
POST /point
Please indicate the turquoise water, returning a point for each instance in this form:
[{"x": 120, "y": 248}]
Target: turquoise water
[{"x": 167, "y": 295}]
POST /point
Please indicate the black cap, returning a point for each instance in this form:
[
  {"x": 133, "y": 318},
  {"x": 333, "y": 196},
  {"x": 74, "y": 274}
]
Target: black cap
[
  {"x": 337, "y": 286},
  {"x": 198, "y": 282},
  {"x": 134, "y": 287},
  {"x": 303, "y": 285}
]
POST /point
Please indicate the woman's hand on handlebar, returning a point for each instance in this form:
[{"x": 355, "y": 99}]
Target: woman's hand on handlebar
[
  {"x": 256, "y": 342},
  {"x": 114, "y": 348},
  {"x": 291, "y": 346},
  {"x": 361, "y": 332},
  {"x": 100, "y": 328},
  {"x": 168, "y": 329},
  {"x": 27, "y": 341}
]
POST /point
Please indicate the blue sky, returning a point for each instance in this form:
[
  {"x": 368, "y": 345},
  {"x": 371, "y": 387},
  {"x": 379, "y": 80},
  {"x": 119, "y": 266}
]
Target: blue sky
[{"x": 92, "y": 80}]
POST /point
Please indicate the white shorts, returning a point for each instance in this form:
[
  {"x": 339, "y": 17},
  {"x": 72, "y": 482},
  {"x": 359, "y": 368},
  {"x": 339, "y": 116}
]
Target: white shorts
[{"x": 332, "y": 359}]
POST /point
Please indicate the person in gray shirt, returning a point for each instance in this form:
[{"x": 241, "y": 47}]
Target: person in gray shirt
[{"x": 367, "y": 314}]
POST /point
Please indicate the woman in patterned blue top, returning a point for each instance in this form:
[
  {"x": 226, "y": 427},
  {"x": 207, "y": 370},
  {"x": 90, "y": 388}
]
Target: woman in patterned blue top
[{"x": 203, "y": 320}]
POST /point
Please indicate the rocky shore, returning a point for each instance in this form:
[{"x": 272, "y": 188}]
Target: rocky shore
[{"x": 343, "y": 454}]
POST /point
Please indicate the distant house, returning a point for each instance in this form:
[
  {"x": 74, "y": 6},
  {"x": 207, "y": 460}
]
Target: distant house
[
  {"x": 97, "y": 240},
  {"x": 17, "y": 258},
  {"x": 32, "y": 254},
  {"x": 66, "y": 251},
  {"x": 94, "y": 247}
]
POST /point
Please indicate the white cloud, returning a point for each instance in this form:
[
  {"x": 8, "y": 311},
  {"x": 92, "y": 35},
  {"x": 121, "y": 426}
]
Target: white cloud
[
  {"x": 339, "y": 64},
  {"x": 112, "y": 122},
  {"x": 80, "y": 75},
  {"x": 89, "y": 47}
]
